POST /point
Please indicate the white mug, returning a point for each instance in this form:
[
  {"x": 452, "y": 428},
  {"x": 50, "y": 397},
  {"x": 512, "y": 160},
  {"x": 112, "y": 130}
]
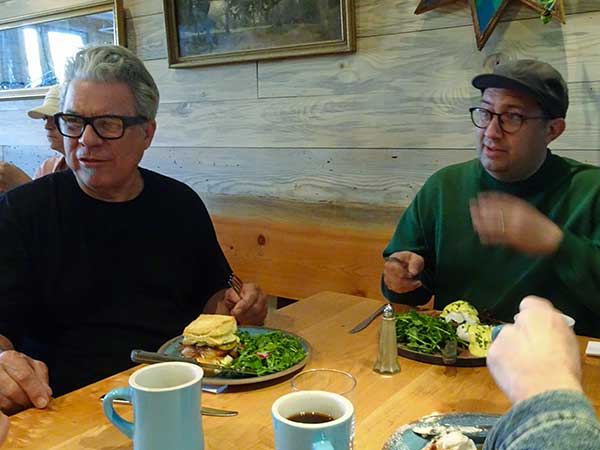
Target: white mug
[{"x": 336, "y": 434}]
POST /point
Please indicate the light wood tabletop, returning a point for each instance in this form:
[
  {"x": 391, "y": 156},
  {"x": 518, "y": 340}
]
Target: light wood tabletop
[{"x": 382, "y": 403}]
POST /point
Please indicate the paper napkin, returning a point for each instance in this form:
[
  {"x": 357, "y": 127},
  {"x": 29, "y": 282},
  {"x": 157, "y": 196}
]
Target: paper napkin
[
  {"x": 593, "y": 348},
  {"x": 214, "y": 388}
]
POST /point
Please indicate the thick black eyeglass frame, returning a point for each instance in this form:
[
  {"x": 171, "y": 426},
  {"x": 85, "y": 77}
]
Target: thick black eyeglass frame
[
  {"x": 500, "y": 121},
  {"x": 128, "y": 121}
]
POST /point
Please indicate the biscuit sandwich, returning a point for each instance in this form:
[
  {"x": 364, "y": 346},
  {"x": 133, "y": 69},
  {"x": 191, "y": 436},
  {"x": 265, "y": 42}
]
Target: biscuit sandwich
[{"x": 211, "y": 338}]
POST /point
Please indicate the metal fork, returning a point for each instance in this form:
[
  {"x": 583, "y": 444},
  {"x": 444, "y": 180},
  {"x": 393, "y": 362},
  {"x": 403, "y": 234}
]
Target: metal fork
[{"x": 235, "y": 283}]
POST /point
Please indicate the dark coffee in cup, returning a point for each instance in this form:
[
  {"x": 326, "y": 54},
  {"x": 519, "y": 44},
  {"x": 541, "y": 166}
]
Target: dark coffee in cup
[{"x": 311, "y": 417}]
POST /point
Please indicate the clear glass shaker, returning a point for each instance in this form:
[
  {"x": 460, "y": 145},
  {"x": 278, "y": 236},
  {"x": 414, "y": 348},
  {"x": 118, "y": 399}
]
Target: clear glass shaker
[{"x": 387, "y": 357}]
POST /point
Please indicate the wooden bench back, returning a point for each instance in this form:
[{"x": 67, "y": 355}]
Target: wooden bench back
[{"x": 295, "y": 256}]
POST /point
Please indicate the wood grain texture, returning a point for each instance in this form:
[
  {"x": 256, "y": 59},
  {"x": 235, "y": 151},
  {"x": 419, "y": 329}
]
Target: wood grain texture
[
  {"x": 213, "y": 83},
  {"x": 404, "y": 119},
  {"x": 371, "y": 176},
  {"x": 146, "y": 36},
  {"x": 413, "y": 63},
  {"x": 137, "y": 8},
  {"x": 296, "y": 259},
  {"x": 19, "y": 105},
  {"x": 382, "y": 404}
]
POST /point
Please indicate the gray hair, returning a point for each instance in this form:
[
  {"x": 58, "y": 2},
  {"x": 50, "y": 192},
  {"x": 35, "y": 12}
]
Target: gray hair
[{"x": 112, "y": 63}]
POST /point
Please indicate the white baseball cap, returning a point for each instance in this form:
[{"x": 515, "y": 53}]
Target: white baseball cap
[{"x": 50, "y": 106}]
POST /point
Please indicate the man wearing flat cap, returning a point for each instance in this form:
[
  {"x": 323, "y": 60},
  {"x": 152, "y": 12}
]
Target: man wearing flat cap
[{"x": 516, "y": 221}]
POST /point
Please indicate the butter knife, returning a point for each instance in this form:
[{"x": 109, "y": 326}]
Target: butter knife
[
  {"x": 365, "y": 323},
  {"x": 142, "y": 356},
  {"x": 206, "y": 411}
]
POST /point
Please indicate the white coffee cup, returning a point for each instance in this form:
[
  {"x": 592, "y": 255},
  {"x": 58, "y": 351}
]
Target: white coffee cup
[{"x": 336, "y": 434}]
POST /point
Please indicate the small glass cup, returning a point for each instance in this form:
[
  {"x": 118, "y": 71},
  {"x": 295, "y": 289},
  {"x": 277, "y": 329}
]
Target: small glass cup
[
  {"x": 450, "y": 353},
  {"x": 330, "y": 380}
]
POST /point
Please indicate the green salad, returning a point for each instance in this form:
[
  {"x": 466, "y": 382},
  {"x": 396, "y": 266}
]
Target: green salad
[
  {"x": 268, "y": 353},
  {"x": 423, "y": 333}
]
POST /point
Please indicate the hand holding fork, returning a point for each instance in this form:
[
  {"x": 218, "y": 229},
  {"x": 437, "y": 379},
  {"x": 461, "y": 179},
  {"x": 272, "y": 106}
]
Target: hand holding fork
[
  {"x": 235, "y": 283},
  {"x": 402, "y": 272},
  {"x": 245, "y": 301}
]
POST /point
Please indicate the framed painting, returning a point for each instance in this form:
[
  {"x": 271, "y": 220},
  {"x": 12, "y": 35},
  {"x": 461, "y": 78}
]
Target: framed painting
[
  {"x": 35, "y": 47},
  {"x": 206, "y": 32}
]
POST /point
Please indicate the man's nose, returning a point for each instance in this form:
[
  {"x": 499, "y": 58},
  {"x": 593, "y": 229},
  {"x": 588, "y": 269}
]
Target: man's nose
[
  {"x": 89, "y": 136},
  {"x": 493, "y": 128}
]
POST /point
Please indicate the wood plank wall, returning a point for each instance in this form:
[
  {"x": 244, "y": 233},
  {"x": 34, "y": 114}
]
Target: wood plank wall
[{"x": 344, "y": 140}]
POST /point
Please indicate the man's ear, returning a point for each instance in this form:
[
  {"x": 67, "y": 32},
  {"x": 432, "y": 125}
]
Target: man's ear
[
  {"x": 554, "y": 129},
  {"x": 149, "y": 131}
]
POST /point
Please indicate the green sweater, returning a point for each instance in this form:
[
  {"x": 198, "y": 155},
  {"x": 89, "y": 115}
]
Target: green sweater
[{"x": 437, "y": 225}]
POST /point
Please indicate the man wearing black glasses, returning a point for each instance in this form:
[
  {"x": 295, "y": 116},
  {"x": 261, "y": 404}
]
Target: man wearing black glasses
[
  {"x": 107, "y": 256},
  {"x": 518, "y": 220}
]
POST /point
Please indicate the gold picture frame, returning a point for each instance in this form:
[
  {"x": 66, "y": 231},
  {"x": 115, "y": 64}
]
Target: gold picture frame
[
  {"x": 34, "y": 47},
  {"x": 208, "y": 32}
]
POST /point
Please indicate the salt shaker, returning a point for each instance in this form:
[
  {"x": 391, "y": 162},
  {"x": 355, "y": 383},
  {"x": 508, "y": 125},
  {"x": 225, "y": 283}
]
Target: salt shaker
[{"x": 387, "y": 358}]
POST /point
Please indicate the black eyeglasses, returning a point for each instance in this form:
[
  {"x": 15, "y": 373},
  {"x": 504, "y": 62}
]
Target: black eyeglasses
[
  {"x": 509, "y": 122},
  {"x": 106, "y": 127}
]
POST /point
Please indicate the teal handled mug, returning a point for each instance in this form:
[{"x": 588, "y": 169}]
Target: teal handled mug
[
  {"x": 166, "y": 407},
  {"x": 313, "y": 420}
]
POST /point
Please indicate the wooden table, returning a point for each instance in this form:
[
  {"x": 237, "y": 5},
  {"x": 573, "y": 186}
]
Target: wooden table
[{"x": 76, "y": 420}]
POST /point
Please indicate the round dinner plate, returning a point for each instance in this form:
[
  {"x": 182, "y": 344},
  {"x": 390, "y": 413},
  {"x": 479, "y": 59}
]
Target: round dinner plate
[
  {"x": 404, "y": 438},
  {"x": 172, "y": 348},
  {"x": 463, "y": 359}
]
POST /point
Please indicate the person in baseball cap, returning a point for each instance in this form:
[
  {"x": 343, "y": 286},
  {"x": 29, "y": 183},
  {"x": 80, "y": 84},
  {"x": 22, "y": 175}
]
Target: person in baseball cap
[
  {"x": 11, "y": 175},
  {"x": 46, "y": 111},
  {"x": 516, "y": 220},
  {"x": 50, "y": 106}
]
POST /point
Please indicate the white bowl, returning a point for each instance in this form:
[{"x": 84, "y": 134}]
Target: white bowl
[{"x": 568, "y": 320}]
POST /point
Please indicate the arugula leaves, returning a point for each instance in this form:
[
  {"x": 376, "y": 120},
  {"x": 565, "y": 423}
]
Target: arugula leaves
[
  {"x": 268, "y": 353},
  {"x": 423, "y": 333}
]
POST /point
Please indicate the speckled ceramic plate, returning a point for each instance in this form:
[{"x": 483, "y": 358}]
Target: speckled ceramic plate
[
  {"x": 404, "y": 438},
  {"x": 172, "y": 347}
]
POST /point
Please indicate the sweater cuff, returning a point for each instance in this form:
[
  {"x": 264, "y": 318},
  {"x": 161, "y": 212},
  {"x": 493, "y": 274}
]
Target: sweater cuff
[
  {"x": 530, "y": 420},
  {"x": 417, "y": 297},
  {"x": 557, "y": 400}
]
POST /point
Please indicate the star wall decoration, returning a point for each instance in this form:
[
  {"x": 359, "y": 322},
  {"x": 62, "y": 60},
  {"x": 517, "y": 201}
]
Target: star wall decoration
[{"x": 486, "y": 13}]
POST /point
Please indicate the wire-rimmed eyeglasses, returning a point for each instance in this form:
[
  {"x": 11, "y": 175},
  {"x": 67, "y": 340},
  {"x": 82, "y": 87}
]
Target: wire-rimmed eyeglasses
[
  {"x": 106, "y": 127},
  {"x": 510, "y": 122}
]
